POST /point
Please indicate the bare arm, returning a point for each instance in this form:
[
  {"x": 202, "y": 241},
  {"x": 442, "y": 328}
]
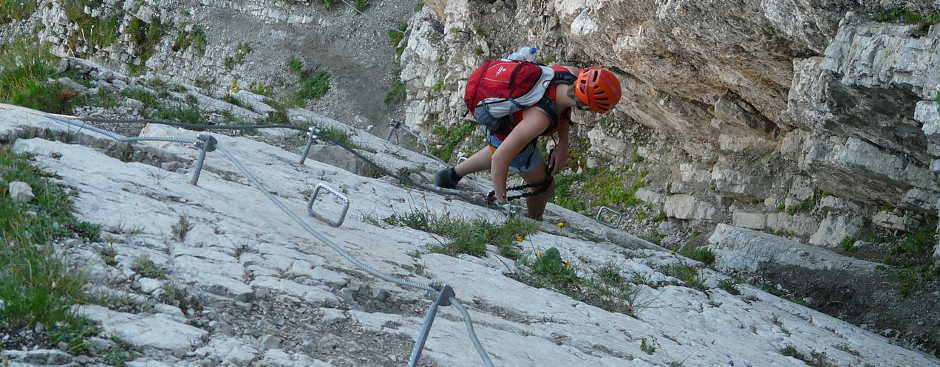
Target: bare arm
[
  {"x": 559, "y": 157},
  {"x": 533, "y": 123}
]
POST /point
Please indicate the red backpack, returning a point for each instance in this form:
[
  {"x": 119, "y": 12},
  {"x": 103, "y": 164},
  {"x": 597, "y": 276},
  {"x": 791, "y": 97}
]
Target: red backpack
[{"x": 499, "y": 88}]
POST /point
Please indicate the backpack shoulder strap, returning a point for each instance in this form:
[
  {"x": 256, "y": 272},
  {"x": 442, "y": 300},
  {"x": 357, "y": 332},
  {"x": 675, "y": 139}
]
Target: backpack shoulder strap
[{"x": 563, "y": 77}]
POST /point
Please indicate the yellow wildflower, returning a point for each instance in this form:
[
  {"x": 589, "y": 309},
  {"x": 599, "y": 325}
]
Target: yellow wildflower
[
  {"x": 561, "y": 224},
  {"x": 520, "y": 238}
]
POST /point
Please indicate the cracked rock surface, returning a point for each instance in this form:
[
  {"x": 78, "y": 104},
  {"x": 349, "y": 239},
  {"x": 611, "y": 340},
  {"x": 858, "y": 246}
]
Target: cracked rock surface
[{"x": 242, "y": 284}]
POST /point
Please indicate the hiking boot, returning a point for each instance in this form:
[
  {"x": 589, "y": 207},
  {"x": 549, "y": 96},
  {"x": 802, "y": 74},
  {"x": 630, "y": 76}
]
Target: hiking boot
[{"x": 447, "y": 178}]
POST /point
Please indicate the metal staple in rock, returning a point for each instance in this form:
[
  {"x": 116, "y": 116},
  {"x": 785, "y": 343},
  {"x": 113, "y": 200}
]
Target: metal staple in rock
[{"x": 445, "y": 292}]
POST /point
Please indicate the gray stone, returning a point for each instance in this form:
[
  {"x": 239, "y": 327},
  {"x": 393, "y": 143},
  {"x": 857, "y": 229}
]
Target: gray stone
[
  {"x": 133, "y": 104},
  {"x": 253, "y": 101},
  {"x": 333, "y": 316},
  {"x": 920, "y": 199},
  {"x": 735, "y": 182},
  {"x": 835, "y": 203},
  {"x": 149, "y": 285},
  {"x": 145, "y": 331},
  {"x": 689, "y": 207},
  {"x": 741, "y": 249},
  {"x": 649, "y": 196},
  {"x": 800, "y": 225},
  {"x": 20, "y": 191},
  {"x": 229, "y": 351},
  {"x": 892, "y": 221},
  {"x": 835, "y": 228},
  {"x": 105, "y": 75},
  {"x": 42, "y": 357},
  {"x": 280, "y": 358},
  {"x": 71, "y": 84},
  {"x": 861, "y": 170},
  {"x": 334, "y": 279},
  {"x": 749, "y": 220},
  {"x": 666, "y": 228},
  {"x": 270, "y": 342}
]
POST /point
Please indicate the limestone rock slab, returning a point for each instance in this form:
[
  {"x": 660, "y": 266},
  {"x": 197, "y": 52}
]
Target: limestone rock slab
[
  {"x": 743, "y": 249},
  {"x": 145, "y": 331}
]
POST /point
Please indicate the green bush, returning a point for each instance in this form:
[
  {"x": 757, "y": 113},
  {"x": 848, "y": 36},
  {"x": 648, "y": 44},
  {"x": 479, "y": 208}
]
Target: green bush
[
  {"x": 395, "y": 94},
  {"x": 98, "y": 32},
  {"x": 312, "y": 87},
  {"x": 395, "y": 37},
  {"x": 552, "y": 267},
  {"x": 25, "y": 67},
  {"x": 195, "y": 38},
  {"x": 451, "y": 137},
  {"x": 913, "y": 260},
  {"x": 16, "y": 9},
  {"x": 148, "y": 99}
]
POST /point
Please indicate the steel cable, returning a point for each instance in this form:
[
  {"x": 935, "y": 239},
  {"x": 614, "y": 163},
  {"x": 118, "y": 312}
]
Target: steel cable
[
  {"x": 359, "y": 155},
  {"x": 473, "y": 335},
  {"x": 309, "y": 229},
  {"x": 430, "y": 287}
]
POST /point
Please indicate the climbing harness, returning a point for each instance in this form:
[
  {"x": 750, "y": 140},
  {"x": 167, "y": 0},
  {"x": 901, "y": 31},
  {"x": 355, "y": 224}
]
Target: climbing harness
[{"x": 542, "y": 186}]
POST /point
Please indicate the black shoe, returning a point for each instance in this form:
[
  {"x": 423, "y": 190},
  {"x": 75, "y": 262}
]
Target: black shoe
[{"x": 447, "y": 178}]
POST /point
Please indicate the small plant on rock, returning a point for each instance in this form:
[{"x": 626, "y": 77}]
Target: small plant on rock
[
  {"x": 704, "y": 255},
  {"x": 848, "y": 244},
  {"x": 553, "y": 270},
  {"x": 730, "y": 285},
  {"x": 181, "y": 228},
  {"x": 361, "y": 5},
  {"x": 144, "y": 266},
  {"x": 688, "y": 274},
  {"x": 647, "y": 348}
]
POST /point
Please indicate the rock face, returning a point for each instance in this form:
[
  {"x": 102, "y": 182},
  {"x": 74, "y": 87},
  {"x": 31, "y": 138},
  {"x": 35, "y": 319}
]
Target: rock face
[
  {"x": 244, "y": 282},
  {"x": 230, "y": 46},
  {"x": 776, "y": 104}
]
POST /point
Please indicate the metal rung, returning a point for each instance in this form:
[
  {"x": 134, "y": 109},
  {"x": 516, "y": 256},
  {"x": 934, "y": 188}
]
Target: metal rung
[
  {"x": 614, "y": 224},
  {"x": 313, "y": 199}
]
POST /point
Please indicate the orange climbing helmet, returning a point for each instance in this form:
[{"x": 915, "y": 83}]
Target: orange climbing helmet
[{"x": 597, "y": 88}]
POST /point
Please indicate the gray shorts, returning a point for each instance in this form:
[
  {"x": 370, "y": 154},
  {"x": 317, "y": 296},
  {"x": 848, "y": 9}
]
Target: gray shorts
[{"x": 525, "y": 161}]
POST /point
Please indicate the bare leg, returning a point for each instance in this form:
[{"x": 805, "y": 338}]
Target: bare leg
[
  {"x": 536, "y": 204},
  {"x": 477, "y": 162}
]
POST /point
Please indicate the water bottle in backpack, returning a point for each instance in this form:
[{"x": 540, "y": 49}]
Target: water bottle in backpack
[{"x": 526, "y": 53}]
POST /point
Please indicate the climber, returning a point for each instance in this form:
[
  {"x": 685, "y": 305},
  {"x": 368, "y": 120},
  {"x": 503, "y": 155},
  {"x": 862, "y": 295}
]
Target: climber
[{"x": 513, "y": 147}]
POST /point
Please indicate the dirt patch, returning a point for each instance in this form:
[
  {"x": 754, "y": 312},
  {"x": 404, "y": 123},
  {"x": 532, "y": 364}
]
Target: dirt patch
[{"x": 868, "y": 300}]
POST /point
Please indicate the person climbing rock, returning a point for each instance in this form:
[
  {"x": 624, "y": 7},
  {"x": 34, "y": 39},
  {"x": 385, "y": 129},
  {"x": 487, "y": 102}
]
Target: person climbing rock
[{"x": 514, "y": 120}]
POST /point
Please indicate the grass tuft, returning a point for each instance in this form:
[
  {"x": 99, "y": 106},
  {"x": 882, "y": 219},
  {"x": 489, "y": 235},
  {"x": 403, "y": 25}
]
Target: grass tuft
[
  {"x": 395, "y": 94},
  {"x": 395, "y": 37},
  {"x": 144, "y": 266},
  {"x": 913, "y": 260},
  {"x": 467, "y": 236},
  {"x": 361, "y": 5},
  {"x": 11, "y": 10},
  {"x": 704, "y": 255},
  {"x": 688, "y": 274},
  {"x": 25, "y": 67}
]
